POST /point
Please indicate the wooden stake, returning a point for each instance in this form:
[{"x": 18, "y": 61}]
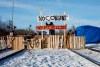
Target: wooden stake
[
  {"x": 41, "y": 21},
  {"x": 64, "y": 33}
]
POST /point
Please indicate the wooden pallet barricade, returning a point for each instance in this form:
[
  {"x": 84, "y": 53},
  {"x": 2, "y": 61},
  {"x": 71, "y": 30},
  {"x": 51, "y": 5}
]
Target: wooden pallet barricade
[
  {"x": 3, "y": 42},
  {"x": 48, "y": 41},
  {"x": 75, "y": 42},
  {"x": 16, "y": 42},
  {"x": 34, "y": 43},
  {"x": 55, "y": 41}
]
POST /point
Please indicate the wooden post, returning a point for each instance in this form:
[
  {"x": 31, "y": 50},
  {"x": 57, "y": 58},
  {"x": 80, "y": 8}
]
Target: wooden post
[
  {"x": 61, "y": 41},
  {"x": 41, "y": 21},
  {"x": 74, "y": 42},
  {"x": 53, "y": 41},
  {"x": 48, "y": 45},
  {"x": 79, "y": 42},
  {"x": 64, "y": 33},
  {"x": 40, "y": 43},
  {"x": 71, "y": 42},
  {"x": 83, "y": 42},
  {"x": 58, "y": 42}
]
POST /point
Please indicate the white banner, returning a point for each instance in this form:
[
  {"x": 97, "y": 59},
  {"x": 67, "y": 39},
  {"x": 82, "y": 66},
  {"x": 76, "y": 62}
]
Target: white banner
[{"x": 52, "y": 18}]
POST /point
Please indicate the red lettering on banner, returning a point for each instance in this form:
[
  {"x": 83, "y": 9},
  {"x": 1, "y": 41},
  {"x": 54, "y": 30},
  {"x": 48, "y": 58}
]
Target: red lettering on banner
[{"x": 50, "y": 27}]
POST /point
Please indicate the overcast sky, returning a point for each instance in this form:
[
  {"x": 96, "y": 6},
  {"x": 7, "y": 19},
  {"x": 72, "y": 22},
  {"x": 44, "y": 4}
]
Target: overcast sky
[{"x": 81, "y": 12}]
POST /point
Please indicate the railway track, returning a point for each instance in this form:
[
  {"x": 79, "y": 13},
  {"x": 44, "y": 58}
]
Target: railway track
[
  {"x": 96, "y": 50},
  {"x": 88, "y": 58},
  {"x": 4, "y": 50},
  {"x": 82, "y": 55},
  {"x": 11, "y": 54}
]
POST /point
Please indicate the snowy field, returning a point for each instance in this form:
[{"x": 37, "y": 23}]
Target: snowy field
[{"x": 48, "y": 58}]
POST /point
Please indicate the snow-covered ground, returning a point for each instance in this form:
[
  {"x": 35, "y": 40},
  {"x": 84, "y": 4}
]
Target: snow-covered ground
[
  {"x": 93, "y": 46},
  {"x": 48, "y": 58},
  {"x": 91, "y": 54}
]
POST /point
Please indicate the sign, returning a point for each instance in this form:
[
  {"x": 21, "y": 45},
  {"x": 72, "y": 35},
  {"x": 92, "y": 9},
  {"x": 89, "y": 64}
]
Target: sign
[
  {"x": 50, "y": 27},
  {"x": 52, "y": 18}
]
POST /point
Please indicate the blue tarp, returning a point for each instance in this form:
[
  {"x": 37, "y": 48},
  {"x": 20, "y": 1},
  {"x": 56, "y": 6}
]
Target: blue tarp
[{"x": 91, "y": 33}]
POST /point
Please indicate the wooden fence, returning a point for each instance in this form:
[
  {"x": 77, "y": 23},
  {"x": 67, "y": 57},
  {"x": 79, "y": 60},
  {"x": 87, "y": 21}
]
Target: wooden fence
[
  {"x": 33, "y": 43},
  {"x": 16, "y": 42},
  {"x": 3, "y": 43},
  {"x": 13, "y": 42},
  {"x": 75, "y": 42},
  {"x": 55, "y": 41},
  {"x": 48, "y": 41}
]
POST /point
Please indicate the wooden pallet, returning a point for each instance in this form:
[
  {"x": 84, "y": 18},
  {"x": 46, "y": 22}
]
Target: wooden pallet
[
  {"x": 16, "y": 42},
  {"x": 75, "y": 42}
]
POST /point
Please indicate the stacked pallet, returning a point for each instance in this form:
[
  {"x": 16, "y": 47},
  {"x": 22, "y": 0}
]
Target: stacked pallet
[
  {"x": 3, "y": 42},
  {"x": 48, "y": 41},
  {"x": 75, "y": 42},
  {"x": 55, "y": 41},
  {"x": 34, "y": 43},
  {"x": 10, "y": 41},
  {"x": 16, "y": 42}
]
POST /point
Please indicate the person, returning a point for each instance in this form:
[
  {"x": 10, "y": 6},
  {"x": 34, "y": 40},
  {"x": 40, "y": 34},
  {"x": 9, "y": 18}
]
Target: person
[{"x": 51, "y": 32}]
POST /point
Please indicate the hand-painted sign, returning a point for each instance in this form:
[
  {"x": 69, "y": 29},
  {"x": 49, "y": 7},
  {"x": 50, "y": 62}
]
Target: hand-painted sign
[
  {"x": 52, "y": 18},
  {"x": 50, "y": 27}
]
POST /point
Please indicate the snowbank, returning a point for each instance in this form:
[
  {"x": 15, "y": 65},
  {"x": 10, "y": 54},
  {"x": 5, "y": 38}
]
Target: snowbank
[{"x": 48, "y": 58}]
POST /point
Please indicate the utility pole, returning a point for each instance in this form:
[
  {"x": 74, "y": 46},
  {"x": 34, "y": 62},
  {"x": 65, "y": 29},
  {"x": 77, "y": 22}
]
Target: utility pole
[
  {"x": 30, "y": 29},
  {"x": 12, "y": 13},
  {"x": 11, "y": 26}
]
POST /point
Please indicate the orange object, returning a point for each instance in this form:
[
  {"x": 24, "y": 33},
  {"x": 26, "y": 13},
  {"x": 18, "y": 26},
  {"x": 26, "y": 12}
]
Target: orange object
[{"x": 50, "y": 27}]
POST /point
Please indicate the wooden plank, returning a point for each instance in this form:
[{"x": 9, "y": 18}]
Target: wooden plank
[
  {"x": 48, "y": 45},
  {"x": 71, "y": 42},
  {"x": 56, "y": 42},
  {"x": 74, "y": 41},
  {"x": 61, "y": 42},
  {"x": 51, "y": 41},
  {"x": 68, "y": 42},
  {"x": 79, "y": 42}
]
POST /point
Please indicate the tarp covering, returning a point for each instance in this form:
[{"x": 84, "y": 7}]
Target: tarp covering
[{"x": 91, "y": 33}]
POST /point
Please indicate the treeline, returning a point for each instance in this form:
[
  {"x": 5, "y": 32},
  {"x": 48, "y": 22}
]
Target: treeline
[{"x": 5, "y": 29}]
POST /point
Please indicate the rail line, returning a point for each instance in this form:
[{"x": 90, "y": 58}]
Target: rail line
[
  {"x": 1, "y": 51},
  {"x": 96, "y": 50},
  {"x": 86, "y": 57},
  {"x": 10, "y": 55}
]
